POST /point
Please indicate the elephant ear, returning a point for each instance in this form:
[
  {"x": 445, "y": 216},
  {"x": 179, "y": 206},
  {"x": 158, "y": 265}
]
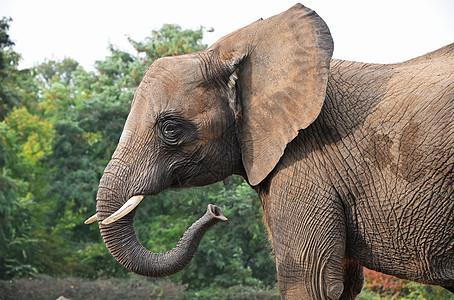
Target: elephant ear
[{"x": 281, "y": 67}]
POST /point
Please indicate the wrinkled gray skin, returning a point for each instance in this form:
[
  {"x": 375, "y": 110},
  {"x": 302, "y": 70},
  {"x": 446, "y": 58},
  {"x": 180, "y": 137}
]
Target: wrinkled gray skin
[{"x": 353, "y": 162}]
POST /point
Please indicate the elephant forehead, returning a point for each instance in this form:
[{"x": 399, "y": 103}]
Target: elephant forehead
[{"x": 173, "y": 84}]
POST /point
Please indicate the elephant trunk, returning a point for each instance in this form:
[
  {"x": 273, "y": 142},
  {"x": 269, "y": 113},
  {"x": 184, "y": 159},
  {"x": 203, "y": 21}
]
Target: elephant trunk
[{"x": 121, "y": 240}]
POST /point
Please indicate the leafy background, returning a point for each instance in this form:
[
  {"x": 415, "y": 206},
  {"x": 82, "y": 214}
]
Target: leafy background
[{"x": 59, "y": 125}]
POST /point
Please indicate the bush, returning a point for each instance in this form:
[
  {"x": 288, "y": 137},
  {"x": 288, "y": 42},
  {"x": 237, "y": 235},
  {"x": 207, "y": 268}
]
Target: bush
[
  {"x": 238, "y": 292},
  {"x": 46, "y": 287},
  {"x": 422, "y": 292},
  {"x": 384, "y": 285},
  {"x": 134, "y": 287},
  {"x": 94, "y": 261},
  {"x": 381, "y": 286}
]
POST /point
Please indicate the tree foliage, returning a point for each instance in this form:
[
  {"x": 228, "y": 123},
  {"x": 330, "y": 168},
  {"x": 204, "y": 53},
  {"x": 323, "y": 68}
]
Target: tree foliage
[
  {"x": 17, "y": 87},
  {"x": 170, "y": 40}
]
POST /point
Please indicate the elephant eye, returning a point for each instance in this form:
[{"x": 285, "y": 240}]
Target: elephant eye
[
  {"x": 171, "y": 130},
  {"x": 174, "y": 129}
]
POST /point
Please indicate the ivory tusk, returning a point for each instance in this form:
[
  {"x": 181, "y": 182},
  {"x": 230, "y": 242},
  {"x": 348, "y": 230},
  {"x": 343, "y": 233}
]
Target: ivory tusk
[
  {"x": 124, "y": 210},
  {"x": 91, "y": 219}
]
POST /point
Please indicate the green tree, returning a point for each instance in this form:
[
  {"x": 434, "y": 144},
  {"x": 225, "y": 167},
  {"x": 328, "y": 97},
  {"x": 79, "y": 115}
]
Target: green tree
[
  {"x": 50, "y": 71},
  {"x": 170, "y": 40},
  {"x": 9, "y": 193},
  {"x": 5, "y": 40},
  {"x": 26, "y": 138},
  {"x": 7, "y": 101},
  {"x": 17, "y": 87}
]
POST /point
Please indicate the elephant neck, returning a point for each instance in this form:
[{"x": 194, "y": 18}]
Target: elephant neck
[{"x": 353, "y": 91}]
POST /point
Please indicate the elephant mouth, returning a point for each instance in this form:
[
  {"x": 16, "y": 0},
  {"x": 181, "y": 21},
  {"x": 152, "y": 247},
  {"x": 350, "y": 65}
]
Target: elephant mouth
[{"x": 132, "y": 203}]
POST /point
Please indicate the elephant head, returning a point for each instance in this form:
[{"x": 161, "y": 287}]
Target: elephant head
[{"x": 198, "y": 118}]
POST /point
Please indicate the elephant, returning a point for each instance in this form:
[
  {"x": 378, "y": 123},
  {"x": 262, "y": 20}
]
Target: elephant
[{"x": 353, "y": 162}]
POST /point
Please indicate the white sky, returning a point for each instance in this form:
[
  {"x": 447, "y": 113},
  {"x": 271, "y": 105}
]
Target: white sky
[{"x": 372, "y": 31}]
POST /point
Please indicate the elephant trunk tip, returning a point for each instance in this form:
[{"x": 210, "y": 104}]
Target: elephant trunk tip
[{"x": 216, "y": 212}]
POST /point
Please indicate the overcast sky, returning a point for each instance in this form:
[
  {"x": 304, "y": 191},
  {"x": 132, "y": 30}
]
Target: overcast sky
[{"x": 372, "y": 31}]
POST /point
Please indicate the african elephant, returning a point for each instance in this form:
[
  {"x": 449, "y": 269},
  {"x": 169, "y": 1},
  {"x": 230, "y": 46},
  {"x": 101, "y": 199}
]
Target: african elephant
[{"x": 353, "y": 162}]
